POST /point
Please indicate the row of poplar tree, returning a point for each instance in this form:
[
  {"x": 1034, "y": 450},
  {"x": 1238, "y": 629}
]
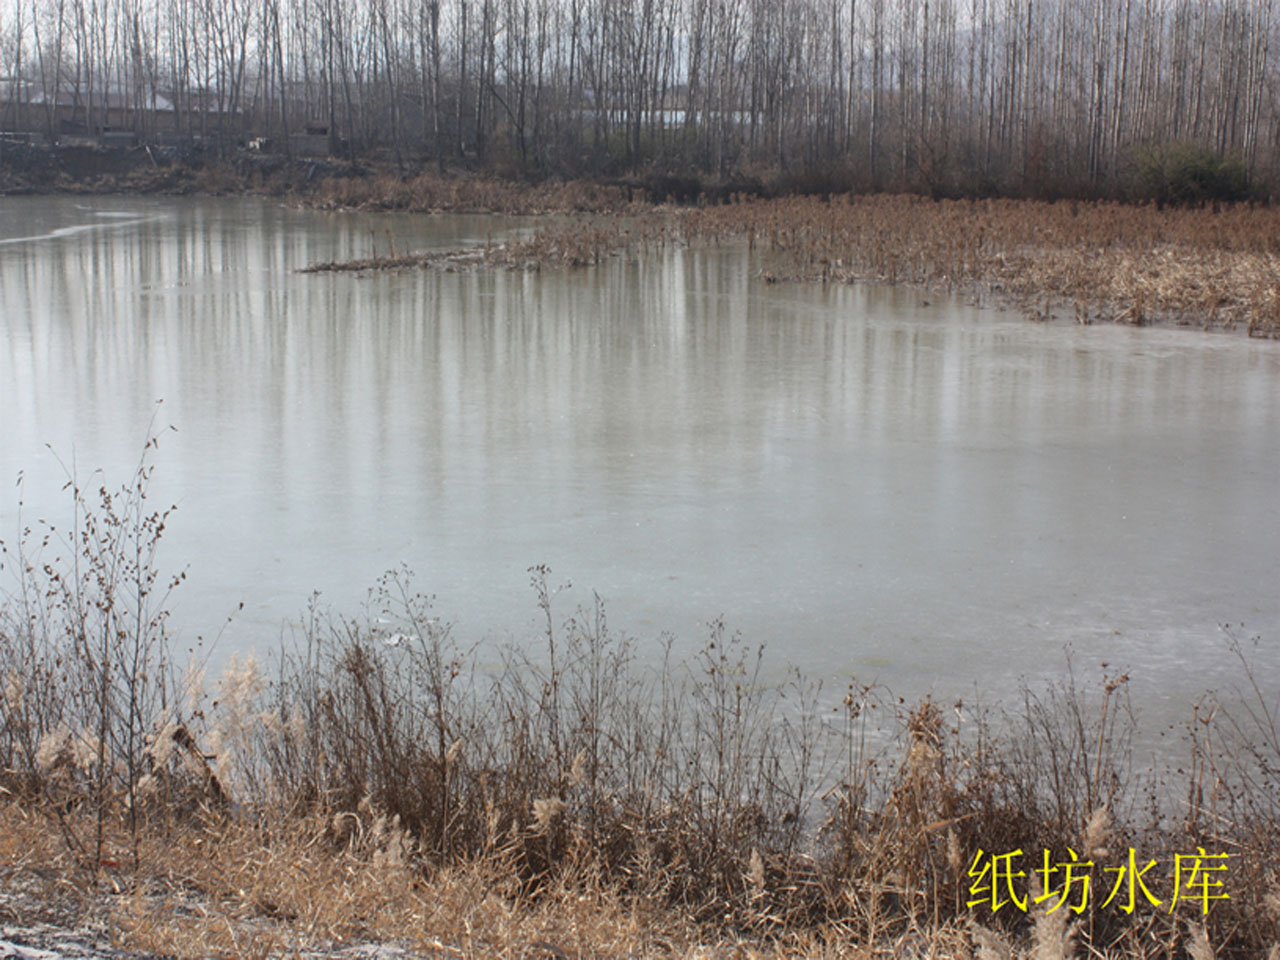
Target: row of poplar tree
[{"x": 1048, "y": 95}]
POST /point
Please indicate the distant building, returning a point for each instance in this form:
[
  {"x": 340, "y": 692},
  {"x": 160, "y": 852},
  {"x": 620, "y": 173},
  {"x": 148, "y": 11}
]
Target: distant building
[{"x": 114, "y": 115}]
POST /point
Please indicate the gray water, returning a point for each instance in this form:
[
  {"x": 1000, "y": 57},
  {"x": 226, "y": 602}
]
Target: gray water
[{"x": 872, "y": 481}]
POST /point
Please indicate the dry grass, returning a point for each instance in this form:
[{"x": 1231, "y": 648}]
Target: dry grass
[
  {"x": 1211, "y": 267},
  {"x": 248, "y": 888},
  {"x": 433, "y": 193},
  {"x": 376, "y": 786},
  {"x": 1214, "y": 267},
  {"x": 580, "y": 242}
]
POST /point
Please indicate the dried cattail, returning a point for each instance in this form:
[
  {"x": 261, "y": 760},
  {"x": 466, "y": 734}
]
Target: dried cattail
[
  {"x": 1053, "y": 936},
  {"x": 545, "y": 810},
  {"x": 1272, "y": 902},
  {"x": 954, "y": 860},
  {"x": 14, "y": 690},
  {"x": 85, "y": 750},
  {"x": 52, "y": 748},
  {"x": 1199, "y": 948},
  {"x": 578, "y": 770},
  {"x": 991, "y": 945},
  {"x": 755, "y": 871},
  {"x": 1097, "y": 834},
  {"x": 162, "y": 746}
]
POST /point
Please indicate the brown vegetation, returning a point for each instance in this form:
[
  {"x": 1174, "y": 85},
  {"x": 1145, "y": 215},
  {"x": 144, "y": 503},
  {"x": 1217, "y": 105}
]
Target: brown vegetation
[
  {"x": 1216, "y": 266},
  {"x": 581, "y": 242},
  {"x": 430, "y": 192},
  {"x": 574, "y": 796}
]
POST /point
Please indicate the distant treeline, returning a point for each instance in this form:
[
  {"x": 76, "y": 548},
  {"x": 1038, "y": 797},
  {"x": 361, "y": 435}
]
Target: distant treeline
[{"x": 1035, "y": 97}]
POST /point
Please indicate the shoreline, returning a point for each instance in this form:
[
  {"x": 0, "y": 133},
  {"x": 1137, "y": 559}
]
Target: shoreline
[
  {"x": 1216, "y": 267},
  {"x": 216, "y": 866},
  {"x": 382, "y": 797},
  {"x": 578, "y": 804},
  {"x": 1086, "y": 263}
]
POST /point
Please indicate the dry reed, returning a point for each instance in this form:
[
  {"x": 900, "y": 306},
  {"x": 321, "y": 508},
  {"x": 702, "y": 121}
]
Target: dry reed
[
  {"x": 1213, "y": 267},
  {"x": 1217, "y": 266},
  {"x": 432, "y": 193},
  {"x": 378, "y": 787}
]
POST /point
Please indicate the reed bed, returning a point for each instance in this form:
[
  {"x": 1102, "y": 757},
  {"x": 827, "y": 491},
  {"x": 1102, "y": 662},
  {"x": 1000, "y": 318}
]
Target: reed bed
[
  {"x": 579, "y": 242},
  {"x": 569, "y": 799},
  {"x": 431, "y": 193},
  {"x": 1216, "y": 267}
]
